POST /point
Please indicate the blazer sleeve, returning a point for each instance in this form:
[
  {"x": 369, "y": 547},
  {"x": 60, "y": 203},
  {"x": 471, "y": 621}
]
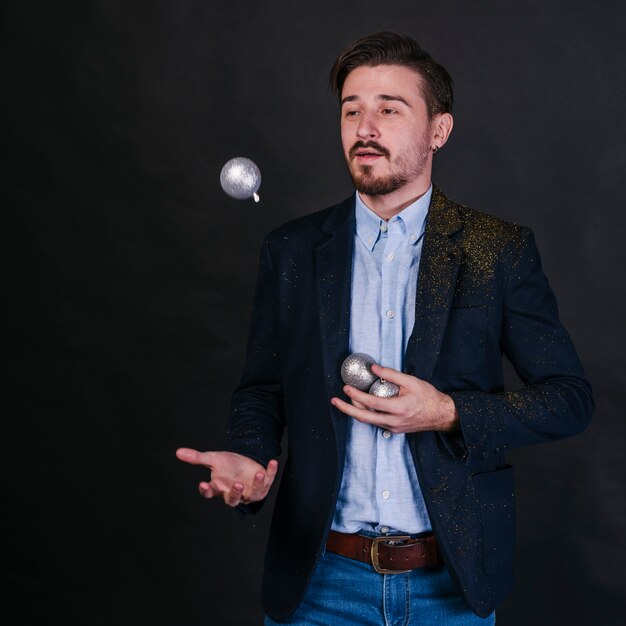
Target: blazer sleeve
[
  {"x": 256, "y": 421},
  {"x": 555, "y": 400}
]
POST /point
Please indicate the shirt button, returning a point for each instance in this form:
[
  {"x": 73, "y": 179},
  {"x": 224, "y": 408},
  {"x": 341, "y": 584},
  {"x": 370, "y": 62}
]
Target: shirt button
[
  {"x": 413, "y": 237},
  {"x": 390, "y": 257},
  {"x": 383, "y": 227},
  {"x": 386, "y": 434},
  {"x": 385, "y": 494},
  {"x": 390, "y": 314},
  {"x": 384, "y": 529}
]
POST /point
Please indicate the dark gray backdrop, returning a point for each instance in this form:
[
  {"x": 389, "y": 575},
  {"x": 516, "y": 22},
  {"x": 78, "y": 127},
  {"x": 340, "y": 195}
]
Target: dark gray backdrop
[{"x": 129, "y": 277}]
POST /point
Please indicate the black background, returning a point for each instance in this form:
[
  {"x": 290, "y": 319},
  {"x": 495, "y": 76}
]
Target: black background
[{"x": 129, "y": 277}]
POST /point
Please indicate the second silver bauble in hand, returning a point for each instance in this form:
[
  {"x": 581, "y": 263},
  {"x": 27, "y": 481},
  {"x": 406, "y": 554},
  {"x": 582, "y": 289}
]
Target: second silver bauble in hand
[
  {"x": 384, "y": 389},
  {"x": 356, "y": 370}
]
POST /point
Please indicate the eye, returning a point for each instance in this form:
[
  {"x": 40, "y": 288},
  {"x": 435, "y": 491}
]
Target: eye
[
  {"x": 352, "y": 113},
  {"x": 389, "y": 111}
]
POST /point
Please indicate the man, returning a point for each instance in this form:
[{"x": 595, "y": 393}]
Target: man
[{"x": 390, "y": 508}]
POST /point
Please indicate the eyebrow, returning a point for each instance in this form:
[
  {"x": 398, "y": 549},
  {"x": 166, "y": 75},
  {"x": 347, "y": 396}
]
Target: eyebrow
[{"x": 385, "y": 97}]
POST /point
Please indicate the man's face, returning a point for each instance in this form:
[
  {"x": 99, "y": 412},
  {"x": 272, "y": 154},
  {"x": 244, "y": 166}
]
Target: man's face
[{"x": 385, "y": 129}]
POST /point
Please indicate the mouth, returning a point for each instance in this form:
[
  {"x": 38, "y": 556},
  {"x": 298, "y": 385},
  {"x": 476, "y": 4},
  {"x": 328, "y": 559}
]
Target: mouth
[
  {"x": 367, "y": 157},
  {"x": 367, "y": 153}
]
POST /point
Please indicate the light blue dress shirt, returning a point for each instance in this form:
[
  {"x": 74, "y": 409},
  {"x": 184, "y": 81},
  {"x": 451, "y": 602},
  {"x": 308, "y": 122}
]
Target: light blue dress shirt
[{"x": 380, "y": 490}]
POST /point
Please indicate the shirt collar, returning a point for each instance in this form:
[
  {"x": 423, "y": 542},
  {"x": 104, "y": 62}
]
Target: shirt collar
[{"x": 368, "y": 224}]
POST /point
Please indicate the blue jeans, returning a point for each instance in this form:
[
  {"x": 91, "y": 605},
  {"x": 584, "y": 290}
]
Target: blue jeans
[{"x": 344, "y": 592}]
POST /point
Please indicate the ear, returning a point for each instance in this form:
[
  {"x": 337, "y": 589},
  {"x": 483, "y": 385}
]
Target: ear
[{"x": 441, "y": 129}]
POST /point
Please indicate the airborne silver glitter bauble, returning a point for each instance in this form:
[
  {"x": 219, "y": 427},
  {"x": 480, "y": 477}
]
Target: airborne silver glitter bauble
[
  {"x": 384, "y": 389},
  {"x": 241, "y": 178},
  {"x": 356, "y": 370}
]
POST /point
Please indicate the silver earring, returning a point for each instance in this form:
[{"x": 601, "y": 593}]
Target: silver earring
[{"x": 435, "y": 149}]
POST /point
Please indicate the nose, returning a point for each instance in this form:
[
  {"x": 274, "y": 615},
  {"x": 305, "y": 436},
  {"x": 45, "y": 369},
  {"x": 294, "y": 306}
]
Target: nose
[{"x": 367, "y": 128}]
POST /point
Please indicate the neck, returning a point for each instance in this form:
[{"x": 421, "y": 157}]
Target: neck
[{"x": 388, "y": 205}]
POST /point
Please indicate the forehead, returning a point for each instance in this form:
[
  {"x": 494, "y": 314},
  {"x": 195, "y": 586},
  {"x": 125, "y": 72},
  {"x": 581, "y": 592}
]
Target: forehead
[{"x": 367, "y": 82}]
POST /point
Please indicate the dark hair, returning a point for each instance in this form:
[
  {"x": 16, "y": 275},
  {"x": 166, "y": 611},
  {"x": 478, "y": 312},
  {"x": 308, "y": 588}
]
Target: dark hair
[{"x": 388, "y": 48}]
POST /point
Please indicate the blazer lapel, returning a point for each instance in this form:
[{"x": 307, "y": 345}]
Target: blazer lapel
[
  {"x": 334, "y": 280},
  {"x": 441, "y": 257}
]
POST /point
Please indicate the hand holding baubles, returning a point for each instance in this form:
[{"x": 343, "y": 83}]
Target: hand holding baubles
[{"x": 418, "y": 407}]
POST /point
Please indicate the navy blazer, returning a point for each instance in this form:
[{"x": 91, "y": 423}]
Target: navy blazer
[{"x": 481, "y": 292}]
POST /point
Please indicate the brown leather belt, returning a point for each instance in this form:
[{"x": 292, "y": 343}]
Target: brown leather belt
[{"x": 388, "y": 554}]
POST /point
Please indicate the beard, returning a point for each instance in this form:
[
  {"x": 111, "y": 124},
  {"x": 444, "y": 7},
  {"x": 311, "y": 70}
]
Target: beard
[
  {"x": 408, "y": 166},
  {"x": 367, "y": 183}
]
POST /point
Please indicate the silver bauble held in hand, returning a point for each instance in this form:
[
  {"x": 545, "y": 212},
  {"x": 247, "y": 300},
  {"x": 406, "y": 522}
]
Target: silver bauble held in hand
[
  {"x": 241, "y": 178},
  {"x": 384, "y": 389},
  {"x": 356, "y": 371}
]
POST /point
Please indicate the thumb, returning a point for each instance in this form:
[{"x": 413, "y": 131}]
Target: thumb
[{"x": 194, "y": 457}]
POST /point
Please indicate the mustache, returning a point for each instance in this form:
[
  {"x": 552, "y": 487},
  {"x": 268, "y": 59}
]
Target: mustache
[{"x": 367, "y": 144}]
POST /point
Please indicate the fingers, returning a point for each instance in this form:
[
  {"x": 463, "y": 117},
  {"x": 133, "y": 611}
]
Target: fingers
[
  {"x": 205, "y": 489},
  {"x": 262, "y": 482},
  {"x": 418, "y": 407},
  {"x": 363, "y": 415},
  {"x": 238, "y": 494},
  {"x": 243, "y": 491},
  {"x": 234, "y": 495},
  {"x": 270, "y": 473},
  {"x": 258, "y": 490},
  {"x": 393, "y": 376},
  {"x": 362, "y": 400}
]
